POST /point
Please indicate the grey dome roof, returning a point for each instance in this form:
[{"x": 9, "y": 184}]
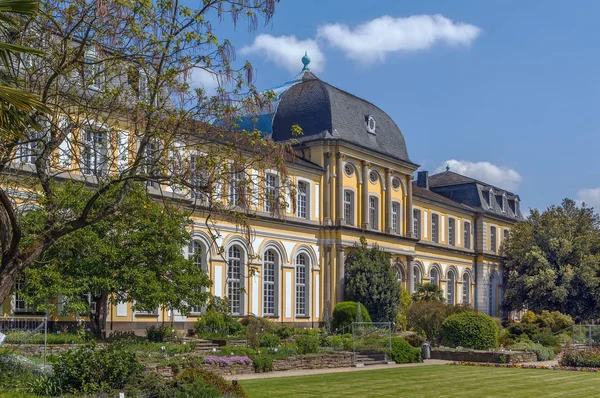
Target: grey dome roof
[{"x": 325, "y": 112}]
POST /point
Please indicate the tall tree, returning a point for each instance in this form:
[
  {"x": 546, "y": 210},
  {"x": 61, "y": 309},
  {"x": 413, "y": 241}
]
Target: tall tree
[
  {"x": 553, "y": 262},
  {"x": 134, "y": 255},
  {"x": 120, "y": 80},
  {"x": 371, "y": 280}
]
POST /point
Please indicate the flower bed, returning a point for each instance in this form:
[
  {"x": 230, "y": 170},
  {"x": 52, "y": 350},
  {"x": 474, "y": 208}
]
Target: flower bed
[
  {"x": 525, "y": 366},
  {"x": 226, "y": 361}
]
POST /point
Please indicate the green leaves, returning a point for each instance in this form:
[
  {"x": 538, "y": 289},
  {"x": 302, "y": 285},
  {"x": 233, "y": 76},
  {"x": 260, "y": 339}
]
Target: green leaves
[{"x": 553, "y": 262}]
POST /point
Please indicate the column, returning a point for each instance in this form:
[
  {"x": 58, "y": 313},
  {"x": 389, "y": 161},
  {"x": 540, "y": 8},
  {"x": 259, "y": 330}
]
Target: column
[
  {"x": 388, "y": 201},
  {"x": 410, "y": 275},
  {"x": 409, "y": 209},
  {"x": 327, "y": 190},
  {"x": 339, "y": 194},
  {"x": 327, "y": 283},
  {"x": 341, "y": 270},
  {"x": 365, "y": 196}
]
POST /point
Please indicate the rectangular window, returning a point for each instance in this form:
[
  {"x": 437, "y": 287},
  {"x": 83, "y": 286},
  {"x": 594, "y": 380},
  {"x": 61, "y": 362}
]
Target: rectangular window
[
  {"x": 434, "y": 228},
  {"x": 417, "y": 223},
  {"x": 489, "y": 200},
  {"x": 493, "y": 239},
  {"x": 302, "y": 202},
  {"x": 505, "y": 234},
  {"x": 451, "y": 229},
  {"x": 349, "y": 207},
  {"x": 271, "y": 192},
  {"x": 373, "y": 212},
  {"x": 301, "y": 284},
  {"x": 20, "y": 304},
  {"x": 31, "y": 147},
  {"x": 236, "y": 188},
  {"x": 143, "y": 87},
  {"x": 511, "y": 205},
  {"x": 199, "y": 184},
  {"x": 94, "y": 150},
  {"x": 88, "y": 298},
  {"x": 150, "y": 164},
  {"x": 93, "y": 70},
  {"x": 396, "y": 217},
  {"x": 467, "y": 228}
]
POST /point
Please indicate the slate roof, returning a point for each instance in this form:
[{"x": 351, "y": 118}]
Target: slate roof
[
  {"x": 424, "y": 193},
  {"x": 325, "y": 112},
  {"x": 475, "y": 193}
]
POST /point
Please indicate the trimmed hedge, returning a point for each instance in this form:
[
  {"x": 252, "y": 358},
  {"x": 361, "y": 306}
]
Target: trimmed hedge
[
  {"x": 402, "y": 352},
  {"x": 587, "y": 358},
  {"x": 471, "y": 330},
  {"x": 345, "y": 313}
]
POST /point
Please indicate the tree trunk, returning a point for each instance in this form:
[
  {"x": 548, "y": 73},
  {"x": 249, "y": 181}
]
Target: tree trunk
[
  {"x": 99, "y": 318},
  {"x": 8, "y": 277}
]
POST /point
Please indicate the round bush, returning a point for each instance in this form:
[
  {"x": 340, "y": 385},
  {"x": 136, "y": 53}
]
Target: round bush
[
  {"x": 345, "y": 313},
  {"x": 402, "y": 352},
  {"x": 470, "y": 330}
]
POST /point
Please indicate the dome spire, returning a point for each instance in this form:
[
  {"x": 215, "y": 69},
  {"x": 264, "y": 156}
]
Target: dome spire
[{"x": 305, "y": 61}]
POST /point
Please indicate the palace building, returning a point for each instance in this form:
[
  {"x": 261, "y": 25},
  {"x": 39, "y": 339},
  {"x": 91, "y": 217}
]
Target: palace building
[{"x": 353, "y": 177}]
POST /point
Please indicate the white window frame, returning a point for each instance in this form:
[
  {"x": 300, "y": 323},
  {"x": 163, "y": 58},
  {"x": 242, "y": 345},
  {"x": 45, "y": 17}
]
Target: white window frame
[
  {"x": 435, "y": 237},
  {"x": 299, "y": 195},
  {"x": 396, "y": 223},
  {"x": 235, "y": 280},
  {"x": 349, "y": 207},
  {"x": 435, "y": 280},
  {"x": 417, "y": 276},
  {"x": 467, "y": 237},
  {"x": 493, "y": 238},
  {"x": 302, "y": 286},
  {"x": 93, "y": 161},
  {"x": 197, "y": 252},
  {"x": 466, "y": 293},
  {"x": 272, "y": 192},
  {"x": 270, "y": 279},
  {"x": 417, "y": 222},
  {"x": 451, "y": 287},
  {"x": 452, "y": 231},
  {"x": 374, "y": 212}
]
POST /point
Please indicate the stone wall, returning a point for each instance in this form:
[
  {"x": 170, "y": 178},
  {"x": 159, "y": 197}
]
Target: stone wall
[
  {"x": 291, "y": 363},
  {"x": 484, "y": 356}
]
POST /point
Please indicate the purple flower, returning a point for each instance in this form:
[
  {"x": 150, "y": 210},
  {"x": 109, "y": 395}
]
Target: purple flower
[{"x": 227, "y": 360}]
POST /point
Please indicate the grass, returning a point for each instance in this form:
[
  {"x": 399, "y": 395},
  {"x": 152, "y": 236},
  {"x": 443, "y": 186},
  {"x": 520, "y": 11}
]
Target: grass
[{"x": 431, "y": 381}]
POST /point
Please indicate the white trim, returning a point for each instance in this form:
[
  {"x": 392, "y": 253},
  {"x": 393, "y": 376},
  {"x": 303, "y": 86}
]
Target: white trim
[
  {"x": 317, "y": 201},
  {"x": 288, "y": 294}
]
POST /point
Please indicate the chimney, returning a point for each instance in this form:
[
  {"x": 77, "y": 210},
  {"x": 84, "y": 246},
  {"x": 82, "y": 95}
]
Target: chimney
[{"x": 423, "y": 179}]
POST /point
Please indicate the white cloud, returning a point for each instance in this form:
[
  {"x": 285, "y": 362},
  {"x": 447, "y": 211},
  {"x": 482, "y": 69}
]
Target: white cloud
[
  {"x": 373, "y": 40},
  {"x": 202, "y": 78},
  {"x": 591, "y": 197},
  {"x": 499, "y": 176},
  {"x": 287, "y": 51}
]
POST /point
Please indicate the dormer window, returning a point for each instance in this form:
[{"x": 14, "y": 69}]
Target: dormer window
[
  {"x": 488, "y": 198},
  {"x": 500, "y": 202},
  {"x": 92, "y": 71},
  {"x": 371, "y": 124}
]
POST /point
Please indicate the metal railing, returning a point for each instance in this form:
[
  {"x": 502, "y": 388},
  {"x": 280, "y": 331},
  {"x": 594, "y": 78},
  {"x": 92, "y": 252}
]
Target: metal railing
[{"x": 32, "y": 325}]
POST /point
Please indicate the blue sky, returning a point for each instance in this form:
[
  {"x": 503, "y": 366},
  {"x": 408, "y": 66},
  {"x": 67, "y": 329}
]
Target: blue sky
[{"x": 509, "y": 89}]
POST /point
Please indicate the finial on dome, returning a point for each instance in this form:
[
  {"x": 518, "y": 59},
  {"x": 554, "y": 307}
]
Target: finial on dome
[
  {"x": 305, "y": 61},
  {"x": 447, "y": 167}
]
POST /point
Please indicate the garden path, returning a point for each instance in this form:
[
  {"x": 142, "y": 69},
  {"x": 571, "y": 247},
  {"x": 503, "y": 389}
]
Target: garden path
[{"x": 306, "y": 372}]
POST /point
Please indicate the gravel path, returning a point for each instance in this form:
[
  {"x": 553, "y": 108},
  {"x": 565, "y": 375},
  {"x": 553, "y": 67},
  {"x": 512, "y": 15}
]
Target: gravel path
[{"x": 306, "y": 372}]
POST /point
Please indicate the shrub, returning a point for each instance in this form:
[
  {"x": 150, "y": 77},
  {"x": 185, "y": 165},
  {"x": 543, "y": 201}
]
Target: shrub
[
  {"x": 269, "y": 340},
  {"x": 255, "y": 329},
  {"x": 283, "y": 331},
  {"x": 542, "y": 353},
  {"x": 401, "y": 318},
  {"x": 338, "y": 340},
  {"x": 470, "y": 329},
  {"x": 200, "y": 377},
  {"x": 307, "y": 344},
  {"x": 586, "y": 358},
  {"x": 402, "y": 352},
  {"x": 92, "y": 369},
  {"x": 151, "y": 385},
  {"x": 158, "y": 334},
  {"x": 262, "y": 363},
  {"x": 426, "y": 318},
  {"x": 415, "y": 340},
  {"x": 215, "y": 322},
  {"x": 346, "y": 312}
]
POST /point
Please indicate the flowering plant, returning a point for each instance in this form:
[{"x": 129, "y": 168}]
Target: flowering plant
[{"x": 227, "y": 360}]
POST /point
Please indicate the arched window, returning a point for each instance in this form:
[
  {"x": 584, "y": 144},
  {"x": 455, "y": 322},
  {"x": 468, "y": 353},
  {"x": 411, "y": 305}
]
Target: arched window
[
  {"x": 434, "y": 276},
  {"x": 270, "y": 268},
  {"x": 466, "y": 288},
  {"x": 234, "y": 279},
  {"x": 197, "y": 254},
  {"x": 451, "y": 287},
  {"x": 417, "y": 276},
  {"x": 302, "y": 276},
  {"x": 493, "y": 294}
]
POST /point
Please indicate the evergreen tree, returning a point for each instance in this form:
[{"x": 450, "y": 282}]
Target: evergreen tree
[{"x": 371, "y": 280}]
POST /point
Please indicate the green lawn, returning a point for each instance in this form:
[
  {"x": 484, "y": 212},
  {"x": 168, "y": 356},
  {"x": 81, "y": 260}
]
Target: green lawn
[{"x": 431, "y": 381}]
